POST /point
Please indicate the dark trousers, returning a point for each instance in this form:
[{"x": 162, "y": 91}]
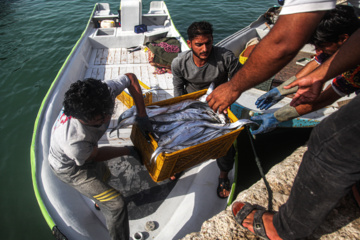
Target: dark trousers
[
  {"x": 329, "y": 168},
  {"x": 226, "y": 162}
]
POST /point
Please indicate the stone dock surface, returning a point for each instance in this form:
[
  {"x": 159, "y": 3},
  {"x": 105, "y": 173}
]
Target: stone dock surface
[{"x": 342, "y": 223}]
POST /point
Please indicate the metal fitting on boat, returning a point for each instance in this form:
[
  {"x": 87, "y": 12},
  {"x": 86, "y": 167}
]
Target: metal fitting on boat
[
  {"x": 138, "y": 236},
  {"x": 150, "y": 226}
]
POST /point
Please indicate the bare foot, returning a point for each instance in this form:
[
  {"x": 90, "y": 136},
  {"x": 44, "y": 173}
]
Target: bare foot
[{"x": 248, "y": 221}]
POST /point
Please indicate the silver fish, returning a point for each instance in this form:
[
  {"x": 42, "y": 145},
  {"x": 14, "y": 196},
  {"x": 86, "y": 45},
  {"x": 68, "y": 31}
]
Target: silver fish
[
  {"x": 193, "y": 133},
  {"x": 170, "y": 136},
  {"x": 166, "y": 127},
  {"x": 210, "y": 89},
  {"x": 186, "y": 115},
  {"x": 186, "y": 133}
]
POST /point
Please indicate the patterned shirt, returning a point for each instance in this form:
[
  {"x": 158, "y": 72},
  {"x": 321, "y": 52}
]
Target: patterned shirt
[{"x": 345, "y": 83}]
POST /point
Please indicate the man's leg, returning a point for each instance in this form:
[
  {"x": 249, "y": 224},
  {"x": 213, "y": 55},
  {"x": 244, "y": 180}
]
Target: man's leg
[
  {"x": 329, "y": 169},
  {"x": 87, "y": 181},
  {"x": 225, "y": 164}
]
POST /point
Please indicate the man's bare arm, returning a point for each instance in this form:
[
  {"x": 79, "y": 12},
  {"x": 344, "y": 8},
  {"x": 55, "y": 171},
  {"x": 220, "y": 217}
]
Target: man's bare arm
[
  {"x": 347, "y": 57},
  {"x": 281, "y": 45}
]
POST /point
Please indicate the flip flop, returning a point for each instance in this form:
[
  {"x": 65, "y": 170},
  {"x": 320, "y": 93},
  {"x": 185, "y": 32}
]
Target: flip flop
[
  {"x": 224, "y": 183},
  {"x": 241, "y": 210}
]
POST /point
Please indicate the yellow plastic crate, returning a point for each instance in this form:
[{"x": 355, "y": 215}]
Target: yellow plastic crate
[
  {"x": 127, "y": 99},
  {"x": 167, "y": 164}
]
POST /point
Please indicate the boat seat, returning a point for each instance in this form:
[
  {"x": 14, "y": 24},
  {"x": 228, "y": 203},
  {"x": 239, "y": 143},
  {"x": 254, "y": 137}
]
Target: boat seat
[
  {"x": 155, "y": 32},
  {"x": 157, "y": 7},
  {"x": 102, "y": 9}
]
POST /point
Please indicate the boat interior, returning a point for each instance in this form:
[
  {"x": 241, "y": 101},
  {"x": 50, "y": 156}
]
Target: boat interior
[{"x": 176, "y": 207}]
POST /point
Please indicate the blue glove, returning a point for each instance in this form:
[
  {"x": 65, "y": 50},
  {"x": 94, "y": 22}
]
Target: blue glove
[
  {"x": 268, "y": 99},
  {"x": 268, "y": 123}
]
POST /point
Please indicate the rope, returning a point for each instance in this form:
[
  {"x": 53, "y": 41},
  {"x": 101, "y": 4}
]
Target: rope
[{"x": 258, "y": 163}]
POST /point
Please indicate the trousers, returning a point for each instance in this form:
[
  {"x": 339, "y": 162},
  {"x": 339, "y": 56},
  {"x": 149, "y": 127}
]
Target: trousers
[
  {"x": 89, "y": 180},
  {"x": 329, "y": 168},
  {"x": 226, "y": 162}
]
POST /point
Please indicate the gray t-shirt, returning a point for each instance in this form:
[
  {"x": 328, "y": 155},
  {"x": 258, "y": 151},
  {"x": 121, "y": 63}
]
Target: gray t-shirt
[
  {"x": 188, "y": 78},
  {"x": 72, "y": 142}
]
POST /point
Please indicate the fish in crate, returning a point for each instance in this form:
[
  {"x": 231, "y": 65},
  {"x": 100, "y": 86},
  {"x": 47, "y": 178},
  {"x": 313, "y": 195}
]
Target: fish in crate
[{"x": 186, "y": 132}]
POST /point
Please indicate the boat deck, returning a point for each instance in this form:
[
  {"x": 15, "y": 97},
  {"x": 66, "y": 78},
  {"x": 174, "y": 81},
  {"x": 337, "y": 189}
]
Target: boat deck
[
  {"x": 109, "y": 63},
  {"x": 147, "y": 200}
]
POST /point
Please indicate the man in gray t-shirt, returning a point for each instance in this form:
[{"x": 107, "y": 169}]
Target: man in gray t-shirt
[
  {"x": 196, "y": 69},
  {"x": 74, "y": 155}
]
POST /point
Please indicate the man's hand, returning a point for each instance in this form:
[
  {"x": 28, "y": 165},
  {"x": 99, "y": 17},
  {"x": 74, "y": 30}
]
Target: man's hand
[
  {"x": 222, "y": 97},
  {"x": 309, "y": 90},
  {"x": 268, "y": 123},
  {"x": 144, "y": 124},
  {"x": 268, "y": 99}
]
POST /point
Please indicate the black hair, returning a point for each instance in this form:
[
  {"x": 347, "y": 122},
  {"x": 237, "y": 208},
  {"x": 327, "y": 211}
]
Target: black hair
[
  {"x": 85, "y": 100},
  {"x": 199, "y": 28},
  {"x": 340, "y": 20}
]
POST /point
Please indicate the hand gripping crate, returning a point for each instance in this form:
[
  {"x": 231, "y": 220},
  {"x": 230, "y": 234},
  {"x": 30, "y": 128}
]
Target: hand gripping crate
[
  {"x": 167, "y": 164},
  {"x": 127, "y": 99}
]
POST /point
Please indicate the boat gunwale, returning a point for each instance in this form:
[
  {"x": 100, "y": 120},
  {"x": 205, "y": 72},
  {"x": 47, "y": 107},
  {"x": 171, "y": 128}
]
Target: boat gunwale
[{"x": 36, "y": 133}]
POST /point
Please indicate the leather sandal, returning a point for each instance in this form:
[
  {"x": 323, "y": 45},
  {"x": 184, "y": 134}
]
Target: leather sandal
[
  {"x": 241, "y": 210},
  {"x": 224, "y": 184}
]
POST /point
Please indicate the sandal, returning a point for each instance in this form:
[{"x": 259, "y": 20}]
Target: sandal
[
  {"x": 241, "y": 210},
  {"x": 97, "y": 207},
  {"x": 224, "y": 184},
  {"x": 176, "y": 176}
]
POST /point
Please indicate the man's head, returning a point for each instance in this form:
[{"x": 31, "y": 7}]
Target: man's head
[
  {"x": 89, "y": 101},
  {"x": 200, "y": 39},
  {"x": 334, "y": 29}
]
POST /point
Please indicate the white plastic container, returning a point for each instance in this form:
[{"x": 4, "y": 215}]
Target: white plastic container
[{"x": 107, "y": 24}]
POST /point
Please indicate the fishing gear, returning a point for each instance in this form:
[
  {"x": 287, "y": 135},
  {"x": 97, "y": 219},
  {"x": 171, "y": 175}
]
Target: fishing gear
[{"x": 258, "y": 163}]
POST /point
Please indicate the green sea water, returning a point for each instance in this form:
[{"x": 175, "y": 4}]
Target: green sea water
[{"x": 35, "y": 38}]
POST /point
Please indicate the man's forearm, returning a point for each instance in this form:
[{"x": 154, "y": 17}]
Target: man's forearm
[
  {"x": 276, "y": 49},
  {"x": 326, "y": 98},
  {"x": 179, "y": 86},
  {"x": 136, "y": 93},
  {"x": 107, "y": 153}
]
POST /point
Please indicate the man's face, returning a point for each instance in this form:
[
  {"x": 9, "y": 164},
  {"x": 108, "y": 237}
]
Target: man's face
[
  {"x": 201, "y": 46},
  {"x": 328, "y": 48}
]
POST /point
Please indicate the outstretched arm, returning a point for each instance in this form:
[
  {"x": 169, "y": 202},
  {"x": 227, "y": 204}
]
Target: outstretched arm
[
  {"x": 326, "y": 98},
  {"x": 281, "y": 45},
  {"x": 136, "y": 93},
  {"x": 142, "y": 119},
  {"x": 347, "y": 57},
  {"x": 271, "y": 120},
  {"x": 273, "y": 96}
]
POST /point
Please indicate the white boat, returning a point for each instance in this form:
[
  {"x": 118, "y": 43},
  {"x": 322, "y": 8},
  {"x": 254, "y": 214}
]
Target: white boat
[
  {"x": 246, "y": 103},
  {"x": 177, "y": 208}
]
